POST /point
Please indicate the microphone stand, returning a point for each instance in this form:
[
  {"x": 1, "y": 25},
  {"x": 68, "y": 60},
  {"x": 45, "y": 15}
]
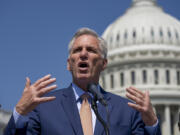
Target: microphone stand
[
  {"x": 179, "y": 122},
  {"x": 94, "y": 107}
]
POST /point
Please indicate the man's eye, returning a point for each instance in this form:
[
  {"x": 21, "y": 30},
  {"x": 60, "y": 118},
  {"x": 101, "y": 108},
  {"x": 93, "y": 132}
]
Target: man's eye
[
  {"x": 76, "y": 50},
  {"x": 92, "y": 50}
]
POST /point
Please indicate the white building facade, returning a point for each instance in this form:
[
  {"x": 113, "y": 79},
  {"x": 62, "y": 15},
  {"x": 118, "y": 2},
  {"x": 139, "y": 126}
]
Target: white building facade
[{"x": 144, "y": 51}]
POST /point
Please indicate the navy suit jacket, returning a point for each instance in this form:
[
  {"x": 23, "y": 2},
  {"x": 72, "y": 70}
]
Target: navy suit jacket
[{"x": 61, "y": 117}]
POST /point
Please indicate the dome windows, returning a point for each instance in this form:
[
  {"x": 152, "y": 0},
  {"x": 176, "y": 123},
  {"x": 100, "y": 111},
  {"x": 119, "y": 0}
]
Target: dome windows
[
  {"x": 144, "y": 76},
  {"x": 156, "y": 76},
  {"x": 133, "y": 79},
  {"x": 167, "y": 77},
  {"x": 125, "y": 37},
  {"x": 177, "y": 36},
  {"x": 117, "y": 37},
  {"x": 178, "y": 77},
  {"x": 143, "y": 35},
  {"x": 121, "y": 79},
  {"x": 134, "y": 34},
  {"x": 152, "y": 34},
  {"x": 161, "y": 33},
  {"x": 112, "y": 81},
  {"x": 169, "y": 33}
]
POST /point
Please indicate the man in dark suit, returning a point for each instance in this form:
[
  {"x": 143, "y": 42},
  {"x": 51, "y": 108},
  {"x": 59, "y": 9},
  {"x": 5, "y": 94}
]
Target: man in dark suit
[{"x": 40, "y": 111}]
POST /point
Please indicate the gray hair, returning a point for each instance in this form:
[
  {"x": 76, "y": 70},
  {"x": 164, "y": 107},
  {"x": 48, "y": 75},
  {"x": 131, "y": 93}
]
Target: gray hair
[{"x": 87, "y": 31}]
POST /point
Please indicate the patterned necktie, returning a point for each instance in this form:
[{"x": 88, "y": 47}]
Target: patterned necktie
[{"x": 86, "y": 115}]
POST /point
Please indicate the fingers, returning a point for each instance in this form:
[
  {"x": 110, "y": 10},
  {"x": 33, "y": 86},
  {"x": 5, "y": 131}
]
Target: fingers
[
  {"x": 135, "y": 95},
  {"x": 46, "y": 83},
  {"x": 33, "y": 94},
  {"x": 142, "y": 104},
  {"x": 28, "y": 82},
  {"x": 42, "y": 80},
  {"x": 45, "y": 99},
  {"x": 135, "y": 106},
  {"x": 135, "y": 92},
  {"x": 135, "y": 99},
  {"x": 46, "y": 90},
  {"x": 142, "y": 100},
  {"x": 147, "y": 96}
]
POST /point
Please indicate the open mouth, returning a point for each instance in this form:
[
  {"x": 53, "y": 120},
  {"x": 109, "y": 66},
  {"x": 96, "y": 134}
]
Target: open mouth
[{"x": 83, "y": 65}]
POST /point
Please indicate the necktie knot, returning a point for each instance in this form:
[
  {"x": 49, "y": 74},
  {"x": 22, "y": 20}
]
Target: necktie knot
[{"x": 85, "y": 96}]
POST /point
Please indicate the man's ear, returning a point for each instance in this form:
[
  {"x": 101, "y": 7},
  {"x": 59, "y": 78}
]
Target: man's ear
[
  {"x": 68, "y": 65},
  {"x": 105, "y": 61}
]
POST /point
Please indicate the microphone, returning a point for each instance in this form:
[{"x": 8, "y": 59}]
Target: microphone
[
  {"x": 179, "y": 122},
  {"x": 92, "y": 88}
]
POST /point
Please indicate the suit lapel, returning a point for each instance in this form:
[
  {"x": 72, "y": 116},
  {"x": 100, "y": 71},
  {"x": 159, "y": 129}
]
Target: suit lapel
[
  {"x": 70, "y": 107},
  {"x": 99, "y": 129}
]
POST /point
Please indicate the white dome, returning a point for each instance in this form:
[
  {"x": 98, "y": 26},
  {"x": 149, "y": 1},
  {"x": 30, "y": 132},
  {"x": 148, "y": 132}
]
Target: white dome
[
  {"x": 144, "y": 52},
  {"x": 144, "y": 38},
  {"x": 143, "y": 23}
]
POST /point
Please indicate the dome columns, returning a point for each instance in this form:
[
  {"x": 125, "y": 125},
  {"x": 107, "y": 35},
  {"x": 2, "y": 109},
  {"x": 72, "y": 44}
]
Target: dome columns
[
  {"x": 153, "y": 76},
  {"x": 167, "y": 124},
  {"x": 169, "y": 116}
]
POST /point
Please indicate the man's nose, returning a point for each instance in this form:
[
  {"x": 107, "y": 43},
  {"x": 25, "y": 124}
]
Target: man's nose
[{"x": 84, "y": 54}]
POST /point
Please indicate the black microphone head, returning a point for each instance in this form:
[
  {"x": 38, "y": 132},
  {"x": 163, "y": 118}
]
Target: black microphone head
[
  {"x": 92, "y": 88},
  {"x": 91, "y": 85}
]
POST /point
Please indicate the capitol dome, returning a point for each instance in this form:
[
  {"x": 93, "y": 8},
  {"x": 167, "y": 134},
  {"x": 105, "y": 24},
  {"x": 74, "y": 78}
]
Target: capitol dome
[
  {"x": 144, "y": 51},
  {"x": 144, "y": 27},
  {"x": 148, "y": 25}
]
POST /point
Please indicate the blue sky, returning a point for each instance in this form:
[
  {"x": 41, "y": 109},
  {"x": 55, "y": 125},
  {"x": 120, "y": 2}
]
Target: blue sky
[{"x": 34, "y": 35}]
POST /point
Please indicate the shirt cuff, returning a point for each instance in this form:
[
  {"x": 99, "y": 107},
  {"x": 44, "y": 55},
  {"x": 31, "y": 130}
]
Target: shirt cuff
[
  {"x": 155, "y": 125},
  {"x": 20, "y": 120},
  {"x": 152, "y": 129}
]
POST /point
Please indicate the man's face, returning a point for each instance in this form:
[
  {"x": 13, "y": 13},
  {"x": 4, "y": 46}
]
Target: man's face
[{"x": 85, "y": 61}]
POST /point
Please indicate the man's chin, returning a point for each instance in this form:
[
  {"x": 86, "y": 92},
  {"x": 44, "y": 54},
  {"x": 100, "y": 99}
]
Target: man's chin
[{"x": 84, "y": 78}]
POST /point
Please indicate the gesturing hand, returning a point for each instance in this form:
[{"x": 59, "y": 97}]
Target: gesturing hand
[
  {"x": 33, "y": 94},
  {"x": 142, "y": 104}
]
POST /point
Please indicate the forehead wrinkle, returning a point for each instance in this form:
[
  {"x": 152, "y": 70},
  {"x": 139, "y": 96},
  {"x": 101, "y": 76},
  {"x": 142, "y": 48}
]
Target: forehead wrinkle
[
  {"x": 86, "y": 39},
  {"x": 86, "y": 46}
]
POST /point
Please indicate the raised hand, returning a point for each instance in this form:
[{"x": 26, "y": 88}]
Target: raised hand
[
  {"x": 142, "y": 104},
  {"x": 33, "y": 94}
]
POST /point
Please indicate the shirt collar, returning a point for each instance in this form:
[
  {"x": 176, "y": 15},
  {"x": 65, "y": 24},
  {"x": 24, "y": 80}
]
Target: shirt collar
[{"x": 78, "y": 91}]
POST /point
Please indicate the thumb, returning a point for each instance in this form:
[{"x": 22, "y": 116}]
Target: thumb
[
  {"x": 147, "y": 95},
  {"x": 147, "y": 92},
  {"x": 28, "y": 82}
]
